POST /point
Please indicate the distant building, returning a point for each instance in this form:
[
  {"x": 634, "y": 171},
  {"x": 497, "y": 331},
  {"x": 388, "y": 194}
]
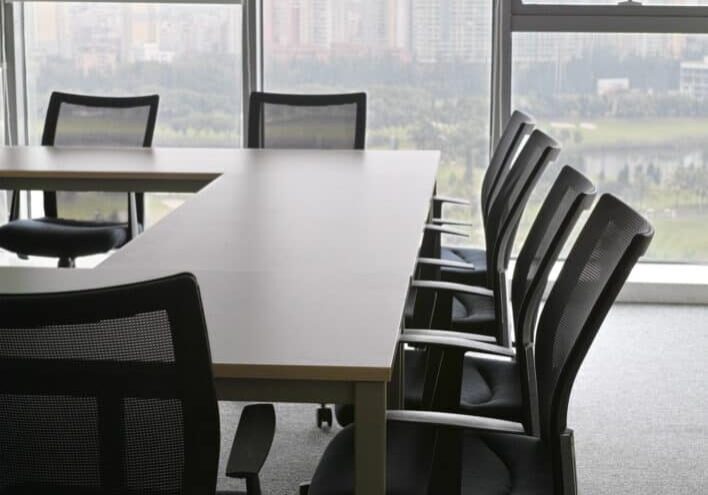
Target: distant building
[
  {"x": 450, "y": 30},
  {"x": 614, "y": 85},
  {"x": 694, "y": 78}
]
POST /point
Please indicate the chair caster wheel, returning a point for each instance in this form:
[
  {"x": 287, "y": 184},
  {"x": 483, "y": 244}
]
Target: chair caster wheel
[{"x": 324, "y": 415}]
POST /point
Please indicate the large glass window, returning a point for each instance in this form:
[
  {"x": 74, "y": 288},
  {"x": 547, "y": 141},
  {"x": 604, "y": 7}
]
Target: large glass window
[
  {"x": 189, "y": 54},
  {"x": 425, "y": 65},
  {"x": 631, "y": 112}
]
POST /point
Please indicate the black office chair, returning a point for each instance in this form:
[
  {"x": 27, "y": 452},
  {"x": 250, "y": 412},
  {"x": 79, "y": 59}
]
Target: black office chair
[
  {"x": 480, "y": 313},
  {"x": 493, "y": 387},
  {"x": 516, "y": 130},
  {"x": 430, "y": 452},
  {"x": 330, "y": 121},
  {"x": 85, "y": 223},
  {"x": 111, "y": 391}
]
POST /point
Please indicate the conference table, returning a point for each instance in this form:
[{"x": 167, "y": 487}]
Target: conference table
[{"x": 303, "y": 259}]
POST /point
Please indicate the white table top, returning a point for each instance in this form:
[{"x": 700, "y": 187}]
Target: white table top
[{"x": 303, "y": 257}]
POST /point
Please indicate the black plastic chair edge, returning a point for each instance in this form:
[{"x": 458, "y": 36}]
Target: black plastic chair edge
[{"x": 251, "y": 445}]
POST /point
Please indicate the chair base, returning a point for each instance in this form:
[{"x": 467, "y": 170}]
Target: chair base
[
  {"x": 67, "y": 263},
  {"x": 324, "y": 415}
]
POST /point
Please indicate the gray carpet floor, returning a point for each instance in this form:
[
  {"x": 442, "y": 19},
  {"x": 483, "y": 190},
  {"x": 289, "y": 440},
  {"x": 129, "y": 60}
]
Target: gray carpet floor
[{"x": 639, "y": 411}]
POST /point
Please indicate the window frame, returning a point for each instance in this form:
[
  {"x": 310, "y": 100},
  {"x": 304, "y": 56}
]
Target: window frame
[
  {"x": 508, "y": 17},
  {"x": 515, "y": 16}
]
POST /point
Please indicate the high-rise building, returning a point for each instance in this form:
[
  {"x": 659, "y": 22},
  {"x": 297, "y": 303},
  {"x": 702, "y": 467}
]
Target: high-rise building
[{"x": 451, "y": 30}]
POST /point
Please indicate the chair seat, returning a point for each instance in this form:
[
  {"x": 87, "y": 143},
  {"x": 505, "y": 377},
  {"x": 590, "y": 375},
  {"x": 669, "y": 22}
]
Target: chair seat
[
  {"x": 504, "y": 463},
  {"x": 492, "y": 463},
  {"x": 478, "y": 257},
  {"x": 473, "y": 314},
  {"x": 409, "y": 458},
  {"x": 61, "y": 238},
  {"x": 491, "y": 388}
]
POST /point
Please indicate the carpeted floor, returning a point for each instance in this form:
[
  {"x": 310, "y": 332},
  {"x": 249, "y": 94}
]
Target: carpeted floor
[{"x": 639, "y": 411}]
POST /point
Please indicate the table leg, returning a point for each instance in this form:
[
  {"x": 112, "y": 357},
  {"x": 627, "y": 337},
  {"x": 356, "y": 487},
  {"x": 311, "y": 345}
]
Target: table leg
[
  {"x": 396, "y": 386},
  {"x": 370, "y": 438}
]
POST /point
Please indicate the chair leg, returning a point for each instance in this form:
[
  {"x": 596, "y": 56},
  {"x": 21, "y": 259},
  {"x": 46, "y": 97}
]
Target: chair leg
[
  {"x": 66, "y": 263},
  {"x": 324, "y": 415},
  {"x": 253, "y": 485}
]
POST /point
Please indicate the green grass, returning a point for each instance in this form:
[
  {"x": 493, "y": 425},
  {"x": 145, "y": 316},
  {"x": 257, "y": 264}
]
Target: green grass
[
  {"x": 683, "y": 238},
  {"x": 623, "y": 133}
]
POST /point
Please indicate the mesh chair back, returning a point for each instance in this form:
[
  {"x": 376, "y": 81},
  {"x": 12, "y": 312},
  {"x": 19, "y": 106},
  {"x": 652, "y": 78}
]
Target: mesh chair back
[
  {"x": 516, "y": 130},
  {"x": 570, "y": 194},
  {"x": 505, "y": 214},
  {"x": 612, "y": 240},
  {"x": 108, "y": 391},
  {"x": 335, "y": 121},
  {"x": 80, "y": 120}
]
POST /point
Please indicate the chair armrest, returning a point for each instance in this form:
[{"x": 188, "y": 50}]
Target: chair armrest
[
  {"x": 252, "y": 442},
  {"x": 444, "y": 230},
  {"x": 450, "y": 200},
  {"x": 445, "y": 263},
  {"x": 451, "y": 333},
  {"x": 461, "y": 344},
  {"x": 445, "y": 221},
  {"x": 452, "y": 287},
  {"x": 456, "y": 420}
]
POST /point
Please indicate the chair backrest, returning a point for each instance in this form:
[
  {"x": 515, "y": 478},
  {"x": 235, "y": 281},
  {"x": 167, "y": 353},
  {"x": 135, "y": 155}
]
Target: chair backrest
[
  {"x": 108, "y": 391},
  {"x": 570, "y": 194},
  {"x": 504, "y": 215},
  {"x": 517, "y": 128},
  {"x": 611, "y": 242},
  {"x": 331, "y": 121},
  {"x": 82, "y": 120}
]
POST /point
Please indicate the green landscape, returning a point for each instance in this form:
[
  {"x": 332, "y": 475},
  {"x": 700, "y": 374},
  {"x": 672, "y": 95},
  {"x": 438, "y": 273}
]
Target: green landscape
[{"x": 649, "y": 149}]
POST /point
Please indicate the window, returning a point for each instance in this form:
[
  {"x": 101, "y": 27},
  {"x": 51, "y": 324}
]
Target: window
[
  {"x": 189, "y": 54},
  {"x": 630, "y": 112},
  {"x": 425, "y": 66}
]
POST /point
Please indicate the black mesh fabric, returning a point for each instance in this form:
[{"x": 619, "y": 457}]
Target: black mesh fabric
[
  {"x": 516, "y": 130},
  {"x": 49, "y": 441},
  {"x": 116, "y": 397},
  {"x": 505, "y": 213},
  {"x": 334, "y": 121},
  {"x": 321, "y": 127},
  {"x": 608, "y": 246},
  {"x": 83, "y": 125},
  {"x": 570, "y": 194}
]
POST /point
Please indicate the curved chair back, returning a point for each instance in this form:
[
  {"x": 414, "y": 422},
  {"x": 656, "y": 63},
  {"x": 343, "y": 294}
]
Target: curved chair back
[
  {"x": 505, "y": 214},
  {"x": 108, "y": 391},
  {"x": 82, "y": 120},
  {"x": 570, "y": 194},
  {"x": 518, "y": 127},
  {"x": 611, "y": 242},
  {"x": 331, "y": 121}
]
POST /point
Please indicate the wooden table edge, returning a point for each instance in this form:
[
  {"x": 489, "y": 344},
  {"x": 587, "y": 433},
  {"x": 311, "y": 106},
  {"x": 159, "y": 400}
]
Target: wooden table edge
[{"x": 305, "y": 372}]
